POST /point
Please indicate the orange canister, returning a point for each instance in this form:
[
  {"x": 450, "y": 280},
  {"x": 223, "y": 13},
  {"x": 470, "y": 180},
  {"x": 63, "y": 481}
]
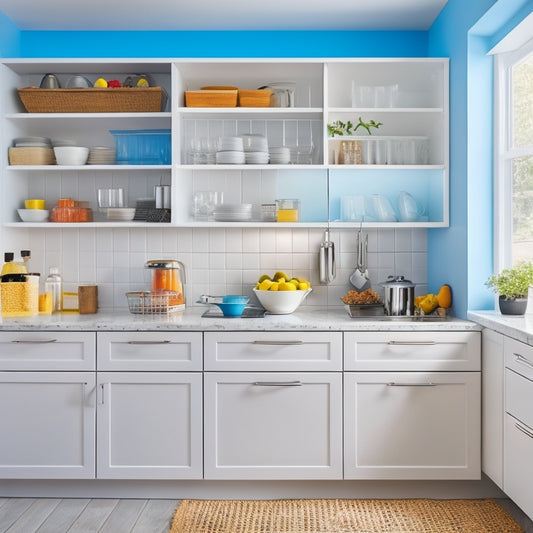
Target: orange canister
[{"x": 168, "y": 275}]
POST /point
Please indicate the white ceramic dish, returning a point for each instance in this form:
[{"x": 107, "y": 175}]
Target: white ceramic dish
[
  {"x": 71, "y": 155},
  {"x": 33, "y": 215},
  {"x": 281, "y": 302},
  {"x": 120, "y": 213}
]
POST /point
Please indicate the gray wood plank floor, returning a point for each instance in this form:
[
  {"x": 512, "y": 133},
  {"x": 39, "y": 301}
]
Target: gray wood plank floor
[{"x": 78, "y": 515}]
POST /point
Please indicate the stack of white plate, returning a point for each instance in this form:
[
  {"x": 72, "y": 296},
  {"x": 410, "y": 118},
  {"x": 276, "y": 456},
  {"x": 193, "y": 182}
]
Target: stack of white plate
[
  {"x": 101, "y": 155},
  {"x": 39, "y": 142},
  {"x": 64, "y": 142},
  {"x": 233, "y": 212},
  {"x": 256, "y": 158},
  {"x": 120, "y": 213},
  {"x": 230, "y": 151},
  {"x": 280, "y": 155}
]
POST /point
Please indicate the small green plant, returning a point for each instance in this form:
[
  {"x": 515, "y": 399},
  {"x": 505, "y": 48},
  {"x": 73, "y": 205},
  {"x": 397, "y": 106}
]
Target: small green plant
[
  {"x": 339, "y": 128},
  {"x": 512, "y": 282}
]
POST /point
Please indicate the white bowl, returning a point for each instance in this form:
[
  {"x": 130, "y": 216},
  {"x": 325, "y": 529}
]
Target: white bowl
[
  {"x": 120, "y": 213},
  {"x": 281, "y": 302},
  {"x": 71, "y": 155},
  {"x": 33, "y": 215}
]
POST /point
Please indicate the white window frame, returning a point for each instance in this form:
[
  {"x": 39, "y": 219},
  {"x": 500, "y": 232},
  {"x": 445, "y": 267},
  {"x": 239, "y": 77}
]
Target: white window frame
[{"x": 504, "y": 153}]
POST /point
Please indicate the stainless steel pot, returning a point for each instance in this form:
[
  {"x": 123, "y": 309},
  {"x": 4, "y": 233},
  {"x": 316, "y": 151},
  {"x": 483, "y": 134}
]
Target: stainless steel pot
[{"x": 399, "y": 296}]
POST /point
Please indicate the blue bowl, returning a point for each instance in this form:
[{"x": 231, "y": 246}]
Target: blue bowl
[{"x": 233, "y": 305}]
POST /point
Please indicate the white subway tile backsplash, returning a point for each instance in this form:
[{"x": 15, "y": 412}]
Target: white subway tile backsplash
[{"x": 222, "y": 260}]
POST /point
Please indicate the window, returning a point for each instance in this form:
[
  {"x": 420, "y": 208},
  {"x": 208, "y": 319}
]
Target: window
[{"x": 514, "y": 156}]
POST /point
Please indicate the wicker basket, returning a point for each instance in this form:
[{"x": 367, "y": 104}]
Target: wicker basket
[
  {"x": 31, "y": 155},
  {"x": 93, "y": 100}
]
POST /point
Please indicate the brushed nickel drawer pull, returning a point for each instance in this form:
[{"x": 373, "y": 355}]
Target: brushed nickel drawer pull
[
  {"x": 523, "y": 360},
  {"x": 524, "y": 430},
  {"x": 278, "y": 343},
  {"x": 414, "y": 343},
  {"x": 277, "y": 383},
  {"x": 36, "y": 341},
  {"x": 148, "y": 342},
  {"x": 394, "y": 384}
]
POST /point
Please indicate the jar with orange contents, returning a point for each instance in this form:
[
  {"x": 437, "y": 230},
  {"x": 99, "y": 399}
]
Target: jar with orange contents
[{"x": 168, "y": 275}]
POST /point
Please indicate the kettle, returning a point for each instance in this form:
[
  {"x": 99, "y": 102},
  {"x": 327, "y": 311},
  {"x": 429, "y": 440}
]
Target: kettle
[{"x": 168, "y": 275}]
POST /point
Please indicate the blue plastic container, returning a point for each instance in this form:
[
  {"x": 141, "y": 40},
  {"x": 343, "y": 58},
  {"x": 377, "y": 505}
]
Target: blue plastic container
[{"x": 142, "y": 147}]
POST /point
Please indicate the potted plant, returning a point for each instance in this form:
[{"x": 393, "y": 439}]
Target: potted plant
[
  {"x": 512, "y": 285},
  {"x": 339, "y": 128}
]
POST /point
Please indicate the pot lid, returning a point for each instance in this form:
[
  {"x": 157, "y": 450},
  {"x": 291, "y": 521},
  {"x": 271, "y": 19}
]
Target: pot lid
[
  {"x": 397, "y": 281},
  {"x": 163, "y": 263}
]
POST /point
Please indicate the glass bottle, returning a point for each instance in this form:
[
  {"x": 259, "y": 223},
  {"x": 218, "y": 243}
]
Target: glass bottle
[{"x": 54, "y": 285}]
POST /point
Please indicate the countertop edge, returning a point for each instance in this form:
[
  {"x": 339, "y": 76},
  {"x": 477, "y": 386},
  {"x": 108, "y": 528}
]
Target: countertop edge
[
  {"x": 519, "y": 327},
  {"x": 307, "y": 318}
]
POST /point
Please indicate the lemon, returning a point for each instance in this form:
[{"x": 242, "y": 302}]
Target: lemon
[
  {"x": 294, "y": 282},
  {"x": 143, "y": 83},
  {"x": 263, "y": 277},
  {"x": 279, "y": 275},
  {"x": 274, "y": 286},
  {"x": 286, "y": 287},
  {"x": 265, "y": 285},
  {"x": 303, "y": 286},
  {"x": 100, "y": 82}
]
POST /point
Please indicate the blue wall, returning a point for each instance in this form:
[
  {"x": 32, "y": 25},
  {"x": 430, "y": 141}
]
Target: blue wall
[
  {"x": 9, "y": 37},
  {"x": 223, "y": 44},
  {"x": 463, "y": 253}
]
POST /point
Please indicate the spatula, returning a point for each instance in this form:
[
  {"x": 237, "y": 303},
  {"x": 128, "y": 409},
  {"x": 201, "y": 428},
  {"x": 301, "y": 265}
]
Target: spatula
[{"x": 359, "y": 278}]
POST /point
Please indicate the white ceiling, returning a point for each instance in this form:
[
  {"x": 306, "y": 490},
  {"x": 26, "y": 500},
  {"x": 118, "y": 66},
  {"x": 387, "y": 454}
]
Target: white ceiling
[{"x": 169, "y": 15}]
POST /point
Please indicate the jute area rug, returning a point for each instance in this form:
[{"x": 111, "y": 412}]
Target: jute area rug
[{"x": 342, "y": 516}]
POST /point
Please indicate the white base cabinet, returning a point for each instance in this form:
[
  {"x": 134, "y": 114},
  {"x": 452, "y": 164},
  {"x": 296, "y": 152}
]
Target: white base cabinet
[
  {"x": 412, "y": 425},
  {"x": 273, "y": 425},
  {"x": 149, "y": 425},
  {"x": 48, "y": 425}
]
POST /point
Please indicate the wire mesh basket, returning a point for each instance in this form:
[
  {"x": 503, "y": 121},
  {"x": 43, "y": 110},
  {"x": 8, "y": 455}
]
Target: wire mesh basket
[{"x": 154, "y": 303}]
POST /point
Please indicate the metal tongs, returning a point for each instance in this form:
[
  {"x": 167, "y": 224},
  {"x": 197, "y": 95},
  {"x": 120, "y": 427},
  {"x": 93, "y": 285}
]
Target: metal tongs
[
  {"x": 327, "y": 259},
  {"x": 360, "y": 278}
]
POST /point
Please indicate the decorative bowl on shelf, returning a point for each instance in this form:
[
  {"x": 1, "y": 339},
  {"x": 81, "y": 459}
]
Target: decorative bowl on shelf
[
  {"x": 281, "y": 302},
  {"x": 33, "y": 215},
  {"x": 71, "y": 155}
]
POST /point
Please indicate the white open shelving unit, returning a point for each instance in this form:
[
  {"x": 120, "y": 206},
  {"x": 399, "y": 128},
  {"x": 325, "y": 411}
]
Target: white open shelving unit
[{"x": 323, "y": 94}]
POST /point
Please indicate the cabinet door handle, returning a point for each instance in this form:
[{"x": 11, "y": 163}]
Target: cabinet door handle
[
  {"x": 278, "y": 343},
  {"x": 33, "y": 341},
  {"x": 414, "y": 343},
  {"x": 524, "y": 430},
  {"x": 523, "y": 360},
  {"x": 394, "y": 384},
  {"x": 278, "y": 383},
  {"x": 148, "y": 342}
]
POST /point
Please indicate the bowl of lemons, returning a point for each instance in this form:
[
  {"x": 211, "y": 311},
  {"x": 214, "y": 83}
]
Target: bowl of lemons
[{"x": 281, "y": 294}]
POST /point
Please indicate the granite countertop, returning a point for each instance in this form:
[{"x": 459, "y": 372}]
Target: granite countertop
[
  {"x": 305, "y": 318},
  {"x": 517, "y": 327}
]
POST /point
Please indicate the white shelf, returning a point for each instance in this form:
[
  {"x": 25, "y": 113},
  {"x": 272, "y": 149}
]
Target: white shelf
[{"x": 323, "y": 94}]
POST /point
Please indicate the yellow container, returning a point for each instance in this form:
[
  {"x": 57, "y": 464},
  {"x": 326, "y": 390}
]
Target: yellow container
[
  {"x": 34, "y": 203},
  {"x": 19, "y": 298},
  {"x": 45, "y": 303},
  {"x": 288, "y": 210}
]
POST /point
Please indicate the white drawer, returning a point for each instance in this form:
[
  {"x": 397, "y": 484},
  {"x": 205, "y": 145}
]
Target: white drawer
[
  {"x": 413, "y": 350},
  {"x": 518, "y": 357},
  {"x": 273, "y": 350},
  {"x": 150, "y": 350},
  {"x": 519, "y": 397},
  {"x": 518, "y": 470},
  {"x": 47, "y": 350}
]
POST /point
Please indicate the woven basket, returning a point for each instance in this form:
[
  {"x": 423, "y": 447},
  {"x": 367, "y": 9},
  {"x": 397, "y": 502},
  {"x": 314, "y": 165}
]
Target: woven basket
[
  {"x": 31, "y": 155},
  {"x": 93, "y": 100}
]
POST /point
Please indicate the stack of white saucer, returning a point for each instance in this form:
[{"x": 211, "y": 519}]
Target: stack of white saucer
[
  {"x": 255, "y": 149},
  {"x": 280, "y": 155},
  {"x": 233, "y": 212},
  {"x": 101, "y": 155},
  {"x": 230, "y": 151}
]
